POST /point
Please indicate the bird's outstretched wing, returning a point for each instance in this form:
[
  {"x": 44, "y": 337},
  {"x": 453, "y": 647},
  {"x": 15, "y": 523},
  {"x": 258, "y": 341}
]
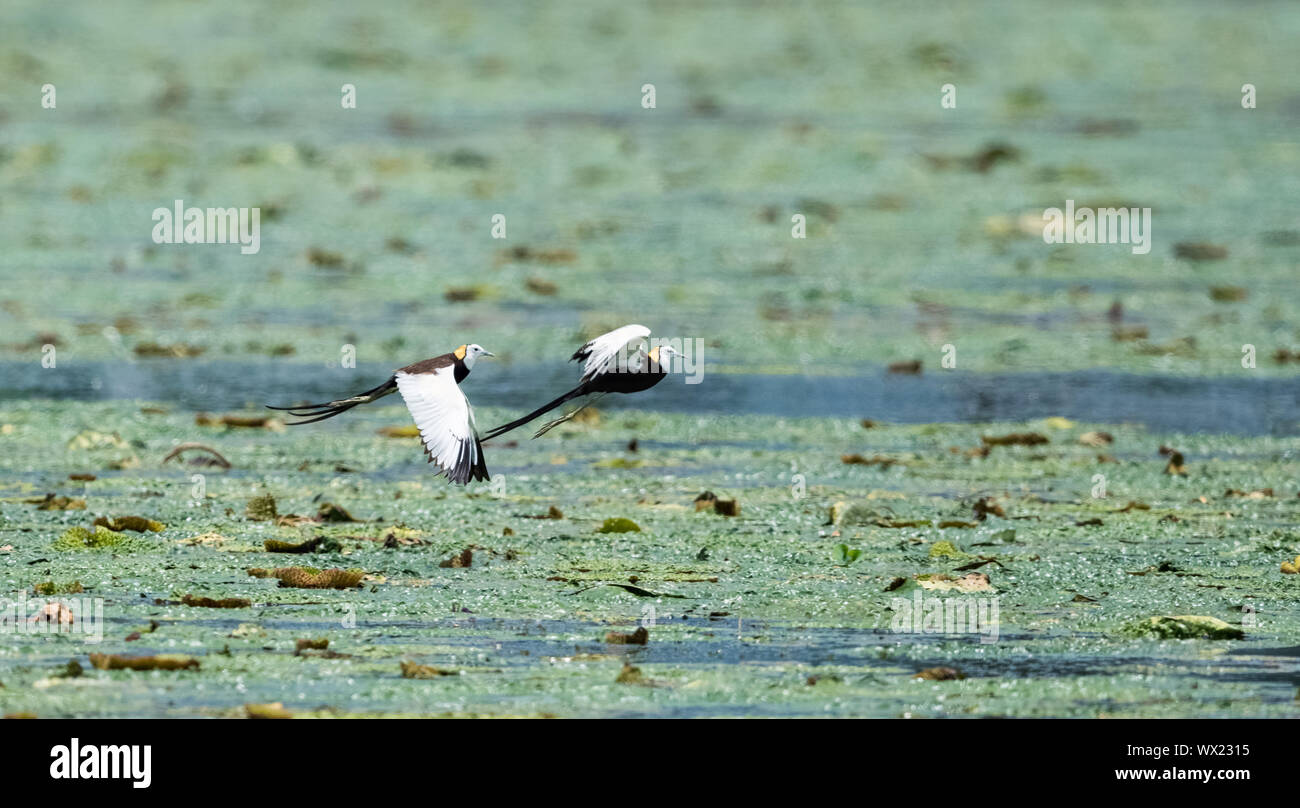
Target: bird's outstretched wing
[
  {"x": 446, "y": 423},
  {"x": 601, "y": 351}
]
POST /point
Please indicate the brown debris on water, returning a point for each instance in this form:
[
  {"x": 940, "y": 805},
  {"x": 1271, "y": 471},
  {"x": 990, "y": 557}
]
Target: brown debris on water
[
  {"x": 277, "y": 546},
  {"x": 306, "y": 578},
  {"x": 1015, "y": 439},
  {"x": 240, "y": 421},
  {"x": 939, "y": 674},
  {"x": 726, "y": 507},
  {"x": 987, "y": 505},
  {"x": 639, "y": 637},
  {"x": 1130, "y": 333},
  {"x": 216, "y": 460},
  {"x": 138, "y": 524},
  {"x": 177, "y": 350},
  {"x": 160, "y": 662},
  {"x": 1200, "y": 251},
  {"x": 462, "y": 559},
  {"x": 1096, "y": 439},
  {"x": 910, "y": 367},
  {"x": 317, "y": 644},
  {"x": 461, "y": 294},
  {"x": 50, "y": 502},
  {"x": 541, "y": 255},
  {"x": 540, "y": 286},
  {"x": 82, "y": 478},
  {"x": 411, "y": 670},
  {"x": 875, "y": 460},
  {"x": 1177, "y": 464},
  {"x": 1228, "y": 294},
  {"x": 330, "y": 512},
  {"x": 261, "y": 509},
  {"x": 1260, "y": 493},
  {"x": 551, "y": 513},
  {"x": 1133, "y": 505},
  {"x": 324, "y": 258},
  {"x": 214, "y": 603},
  {"x": 273, "y": 710}
]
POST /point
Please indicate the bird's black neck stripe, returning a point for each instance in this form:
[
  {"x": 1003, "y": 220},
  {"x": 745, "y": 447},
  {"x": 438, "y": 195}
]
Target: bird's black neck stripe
[{"x": 462, "y": 370}]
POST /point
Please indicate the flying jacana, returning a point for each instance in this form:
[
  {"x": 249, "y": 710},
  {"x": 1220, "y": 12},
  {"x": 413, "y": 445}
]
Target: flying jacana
[
  {"x": 606, "y": 369},
  {"x": 431, "y": 390}
]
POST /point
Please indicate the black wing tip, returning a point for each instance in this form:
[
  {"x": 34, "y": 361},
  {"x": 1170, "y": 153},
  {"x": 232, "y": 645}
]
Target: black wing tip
[{"x": 465, "y": 470}]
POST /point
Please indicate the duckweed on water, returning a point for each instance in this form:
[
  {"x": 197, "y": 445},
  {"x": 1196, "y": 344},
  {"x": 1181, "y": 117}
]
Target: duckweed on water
[
  {"x": 770, "y": 592},
  {"x": 100, "y": 538}
]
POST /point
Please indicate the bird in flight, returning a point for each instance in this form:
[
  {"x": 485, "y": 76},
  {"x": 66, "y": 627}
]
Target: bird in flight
[
  {"x": 431, "y": 390},
  {"x": 607, "y": 368}
]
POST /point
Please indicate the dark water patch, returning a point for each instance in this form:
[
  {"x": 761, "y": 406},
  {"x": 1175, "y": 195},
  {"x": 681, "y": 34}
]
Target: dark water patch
[{"x": 1242, "y": 406}]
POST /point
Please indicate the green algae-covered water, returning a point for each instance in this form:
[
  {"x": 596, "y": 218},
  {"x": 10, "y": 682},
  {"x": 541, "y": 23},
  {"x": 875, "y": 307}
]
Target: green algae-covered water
[{"x": 923, "y": 243}]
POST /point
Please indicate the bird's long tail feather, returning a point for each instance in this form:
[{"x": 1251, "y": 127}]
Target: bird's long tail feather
[
  {"x": 311, "y": 413},
  {"x": 542, "y": 410}
]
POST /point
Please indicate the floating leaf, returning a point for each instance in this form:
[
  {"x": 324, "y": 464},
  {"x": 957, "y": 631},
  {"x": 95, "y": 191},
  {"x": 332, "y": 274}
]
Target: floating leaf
[
  {"x": 410, "y": 670},
  {"x": 79, "y": 538},
  {"x": 1183, "y": 627},
  {"x": 462, "y": 559},
  {"x": 160, "y": 662},
  {"x": 946, "y": 549},
  {"x": 1177, "y": 464},
  {"x": 940, "y": 674},
  {"x": 213, "y": 603},
  {"x": 639, "y": 637},
  {"x": 261, "y": 509},
  {"x": 319, "y": 543},
  {"x": 986, "y": 506},
  {"x": 307, "y": 578},
  {"x": 859, "y": 460},
  {"x": 51, "y": 588},
  {"x": 618, "y": 524},
  {"x": 971, "y": 582},
  {"x": 139, "y": 524},
  {"x": 1200, "y": 251},
  {"x": 845, "y": 555},
  {"x": 329, "y": 512},
  {"x": 273, "y": 710},
  {"x": 1015, "y": 439},
  {"x": 50, "y": 502},
  {"x": 1096, "y": 439}
]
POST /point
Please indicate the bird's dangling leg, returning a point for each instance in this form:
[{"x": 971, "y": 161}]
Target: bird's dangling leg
[{"x": 553, "y": 424}]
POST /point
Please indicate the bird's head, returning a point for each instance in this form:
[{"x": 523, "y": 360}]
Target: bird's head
[
  {"x": 469, "y": 354},
  {"x": 662, "y": 355}
]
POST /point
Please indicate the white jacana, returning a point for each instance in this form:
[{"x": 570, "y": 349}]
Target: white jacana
[
  {"x": 431, "y": 390},
  {"x": 607, "y": 368}
]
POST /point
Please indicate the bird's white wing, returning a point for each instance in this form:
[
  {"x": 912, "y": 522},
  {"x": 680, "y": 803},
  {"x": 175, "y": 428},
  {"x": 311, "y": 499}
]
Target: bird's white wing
[
  {"x": 445, "y": 421},
  {"x": 604, "y": 349}
]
